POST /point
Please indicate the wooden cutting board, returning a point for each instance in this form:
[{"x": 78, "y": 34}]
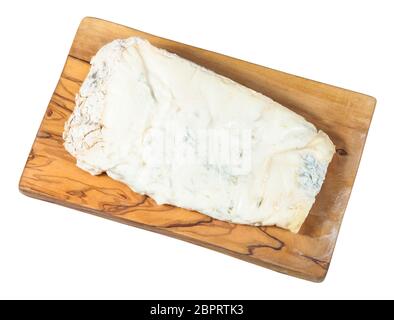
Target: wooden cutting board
[{"x": 50, "y": 173}]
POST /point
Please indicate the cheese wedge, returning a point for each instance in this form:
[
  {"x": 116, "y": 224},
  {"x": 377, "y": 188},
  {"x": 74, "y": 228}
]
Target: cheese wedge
[{"x": 188, "y": 137}]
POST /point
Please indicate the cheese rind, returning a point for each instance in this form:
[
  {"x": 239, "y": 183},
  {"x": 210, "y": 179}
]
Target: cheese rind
[{"x": 137, "y": 97}]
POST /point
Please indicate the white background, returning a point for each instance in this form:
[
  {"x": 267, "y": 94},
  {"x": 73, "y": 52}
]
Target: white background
[{"x": 47, "y": 251}]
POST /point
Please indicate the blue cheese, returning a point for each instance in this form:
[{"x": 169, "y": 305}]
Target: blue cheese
[{"x": 188, "y": 137}]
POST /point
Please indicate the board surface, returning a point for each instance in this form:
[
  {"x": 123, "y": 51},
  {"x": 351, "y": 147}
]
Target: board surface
[{"x": 51, "y": 174}]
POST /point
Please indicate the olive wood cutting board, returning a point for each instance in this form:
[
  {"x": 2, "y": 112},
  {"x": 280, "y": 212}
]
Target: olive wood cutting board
[{"x": 51, "y": 174}]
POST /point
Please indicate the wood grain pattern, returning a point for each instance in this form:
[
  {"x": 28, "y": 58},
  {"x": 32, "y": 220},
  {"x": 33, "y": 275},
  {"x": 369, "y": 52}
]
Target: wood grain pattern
[{"x": 50, "y": 173}]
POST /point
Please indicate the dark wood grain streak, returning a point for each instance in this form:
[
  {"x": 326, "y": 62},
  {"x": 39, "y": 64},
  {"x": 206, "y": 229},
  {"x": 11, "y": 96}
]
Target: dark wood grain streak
[
  {"x": 80, "y": 59},
  {"x": 50, "y": 173}
]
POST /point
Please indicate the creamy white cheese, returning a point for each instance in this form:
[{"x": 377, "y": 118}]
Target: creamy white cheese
[{"x": 137, "y": 98}]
